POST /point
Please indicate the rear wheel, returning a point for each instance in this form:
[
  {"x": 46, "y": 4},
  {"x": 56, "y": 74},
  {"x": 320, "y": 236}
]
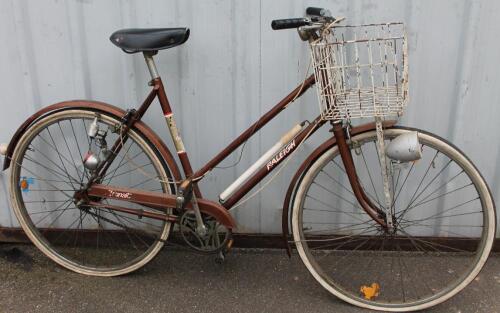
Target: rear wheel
[
  {"x": 47, "y": 172},
  {"x": 444, "y": 227}
]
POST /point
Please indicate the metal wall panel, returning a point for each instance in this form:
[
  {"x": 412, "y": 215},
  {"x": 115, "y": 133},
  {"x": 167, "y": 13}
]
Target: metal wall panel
[{"x": 234, "y": 68}]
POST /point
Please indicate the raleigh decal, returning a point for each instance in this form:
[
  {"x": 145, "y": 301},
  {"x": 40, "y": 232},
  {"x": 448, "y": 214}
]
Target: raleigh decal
[
  {"x": 123, "y": 195},
  {"x": 282, "y": 154}
]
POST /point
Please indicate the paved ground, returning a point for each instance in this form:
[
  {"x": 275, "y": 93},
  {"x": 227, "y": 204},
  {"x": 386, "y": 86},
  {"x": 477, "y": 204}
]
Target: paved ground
[{"x": 179, "y": 281}]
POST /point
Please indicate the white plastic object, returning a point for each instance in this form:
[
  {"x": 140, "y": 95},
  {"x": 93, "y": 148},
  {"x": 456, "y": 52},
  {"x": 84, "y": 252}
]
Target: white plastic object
[
  {"x": 404, "y": 148},
  {"x": 3, "y": 148},
  {"x": 260, "y": 162},
  {"x": 93, "y": 129}
]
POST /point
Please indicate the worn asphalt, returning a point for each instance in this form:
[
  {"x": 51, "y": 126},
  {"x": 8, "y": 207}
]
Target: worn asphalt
[{"x": 180, "y": 281}]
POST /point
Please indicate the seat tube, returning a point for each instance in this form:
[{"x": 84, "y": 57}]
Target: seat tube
[
  {"x": 165, "y": 104},
  {"x": 169, "y": 117}
]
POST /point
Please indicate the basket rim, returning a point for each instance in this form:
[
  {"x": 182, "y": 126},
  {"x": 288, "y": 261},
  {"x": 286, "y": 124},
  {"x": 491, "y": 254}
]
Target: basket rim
[
  {"x": 368, "y": 24},
  {"x": 324, "y": 43}
]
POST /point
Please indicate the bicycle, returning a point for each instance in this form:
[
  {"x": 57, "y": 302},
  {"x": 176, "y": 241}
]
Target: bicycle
[{"x": 401, "y": 210}]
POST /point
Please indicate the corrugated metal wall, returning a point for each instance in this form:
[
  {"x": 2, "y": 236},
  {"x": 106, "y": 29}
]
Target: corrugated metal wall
[{"x": 234, "y": 68}]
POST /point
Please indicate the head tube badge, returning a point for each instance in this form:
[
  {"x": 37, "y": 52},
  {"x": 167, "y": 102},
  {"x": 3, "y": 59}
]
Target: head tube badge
[{"x": 25, "y": 183}]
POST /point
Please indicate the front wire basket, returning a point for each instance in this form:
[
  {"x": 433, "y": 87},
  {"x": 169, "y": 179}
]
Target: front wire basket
[{"x": 361, "y": 71}]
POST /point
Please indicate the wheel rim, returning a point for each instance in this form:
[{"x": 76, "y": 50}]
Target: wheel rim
[
  {"x": 336, "y": 281},
  {"x": 48, "y": 170}
]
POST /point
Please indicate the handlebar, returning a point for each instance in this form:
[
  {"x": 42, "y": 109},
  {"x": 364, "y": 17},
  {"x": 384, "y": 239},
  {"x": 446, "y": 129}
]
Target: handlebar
[
  {"x": 318, "y": 16},
  {"x": 289, "y": 23},
  {"x": 318, "y": 12}
]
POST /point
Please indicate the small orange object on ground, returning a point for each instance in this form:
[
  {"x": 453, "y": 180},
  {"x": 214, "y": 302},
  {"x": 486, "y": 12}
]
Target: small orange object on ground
[{"x": 370, "y": 291}]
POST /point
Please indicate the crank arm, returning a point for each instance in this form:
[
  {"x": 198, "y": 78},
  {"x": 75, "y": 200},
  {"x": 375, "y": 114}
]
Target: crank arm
[{"x": 200, "y": 225}]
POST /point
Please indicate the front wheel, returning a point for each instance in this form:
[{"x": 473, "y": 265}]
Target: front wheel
[{"x": 444, "y": 225}]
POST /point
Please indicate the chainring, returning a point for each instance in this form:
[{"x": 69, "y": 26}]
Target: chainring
[{"x": 217, "y": 236}]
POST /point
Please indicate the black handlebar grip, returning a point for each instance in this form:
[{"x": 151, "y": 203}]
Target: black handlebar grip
[
  {"x": 289, "y": 23},
  {"x": 318, "y": 12}
]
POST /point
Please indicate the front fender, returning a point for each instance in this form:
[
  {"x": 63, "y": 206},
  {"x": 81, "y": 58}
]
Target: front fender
[
  {"x": 98, "y": 107},
  {"x": 294, "y": 183}
]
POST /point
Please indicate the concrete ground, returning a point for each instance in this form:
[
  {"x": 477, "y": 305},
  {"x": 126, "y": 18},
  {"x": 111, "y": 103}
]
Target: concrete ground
[{"x": 180, "y": 281}]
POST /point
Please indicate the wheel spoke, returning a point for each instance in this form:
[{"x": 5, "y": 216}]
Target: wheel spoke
[
  {"x": 370, "y": 176},
  {"x": 439, "y": 188},
  {"x": 420, "y": 183},
  {"x": 85, "y": 174},
  {"x": 139, "y": 167},
  {"x": 70, "y": 154},
  {"x": 117, "y": 167},
  {"x": 335, "y": 194}
]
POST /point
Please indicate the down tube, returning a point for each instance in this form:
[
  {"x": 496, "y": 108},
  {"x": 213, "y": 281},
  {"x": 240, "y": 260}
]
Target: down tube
[{"x": 264, "y": 170}]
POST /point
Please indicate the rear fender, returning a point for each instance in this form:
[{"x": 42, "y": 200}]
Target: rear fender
[
  {"x": 98, "y": 107},
  {"x": 294, "y": 183},
  {"x": 206, "y": 206}
]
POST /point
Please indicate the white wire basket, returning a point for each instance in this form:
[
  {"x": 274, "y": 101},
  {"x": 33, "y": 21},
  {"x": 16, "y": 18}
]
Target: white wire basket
[{"x": 361, "y": 71}]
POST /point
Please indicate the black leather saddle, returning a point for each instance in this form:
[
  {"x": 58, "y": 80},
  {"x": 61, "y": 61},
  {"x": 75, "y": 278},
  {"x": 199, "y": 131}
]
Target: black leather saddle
[{"x": 149, "y": 39}]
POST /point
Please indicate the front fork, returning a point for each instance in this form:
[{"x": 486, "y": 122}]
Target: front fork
[
  {"x": 385, "y": 175},
  {"x": 377, "y": 214}
]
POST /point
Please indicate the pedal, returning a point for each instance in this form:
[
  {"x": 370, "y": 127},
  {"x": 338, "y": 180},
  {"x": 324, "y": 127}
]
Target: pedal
[
  {"x": 229, "y": 244},
  {"x": 220, "y": 257}
]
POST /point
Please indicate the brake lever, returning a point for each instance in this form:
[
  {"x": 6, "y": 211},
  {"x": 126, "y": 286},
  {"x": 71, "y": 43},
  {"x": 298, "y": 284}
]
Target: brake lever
[{"x": 317, "y": 23}]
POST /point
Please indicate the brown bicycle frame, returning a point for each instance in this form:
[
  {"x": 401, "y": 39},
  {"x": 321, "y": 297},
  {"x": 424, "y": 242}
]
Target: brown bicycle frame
[{"x": 159, "y": 201}]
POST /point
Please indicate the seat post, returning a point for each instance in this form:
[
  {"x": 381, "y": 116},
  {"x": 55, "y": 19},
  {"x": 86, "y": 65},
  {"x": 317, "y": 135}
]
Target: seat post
[{"x": 148, "y": 56}]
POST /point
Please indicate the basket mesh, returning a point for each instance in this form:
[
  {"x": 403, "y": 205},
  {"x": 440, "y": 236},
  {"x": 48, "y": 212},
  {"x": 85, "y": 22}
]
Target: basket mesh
[{"x": 361, "y": 71}]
